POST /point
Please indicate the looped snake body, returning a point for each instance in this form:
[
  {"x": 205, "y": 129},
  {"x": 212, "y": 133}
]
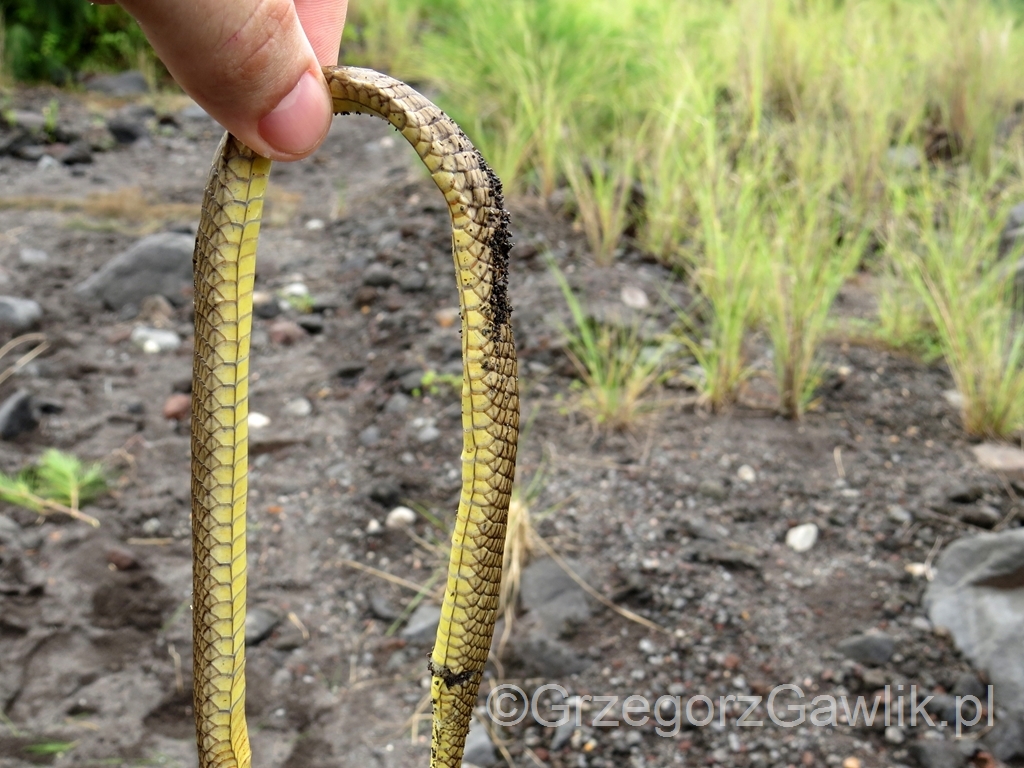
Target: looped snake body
[{"x": 224, "y": 267}]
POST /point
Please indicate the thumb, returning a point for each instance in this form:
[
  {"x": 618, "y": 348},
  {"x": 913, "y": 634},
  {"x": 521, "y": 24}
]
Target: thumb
[{"x": 250, "y": 64}]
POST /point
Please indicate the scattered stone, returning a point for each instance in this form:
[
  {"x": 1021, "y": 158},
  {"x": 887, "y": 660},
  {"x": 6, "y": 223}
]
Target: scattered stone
[
  {"x": 554, "y": 597},
  {"x": 413, "y": 282},
  {"x": 299, "y": 407},
  {"x": 18, "y": 415},
  {"x": 264, "y": 305},
  {"x": 122, "y": 559},
  {"x": 311, "y": 324},
  {"x": 851, "y": 762},
  {"x": 1006, "y": 740},
  {"x": 479, "y": 749},
  {"x": 713, "y": 489},
  {"x": 933, "y": 753},
  {"x": 422, "y": 625},
  {"x": 152, "y": 526},
  {"x": 428, "y": 434},
  {"x": 76, "y": 153},
  {"x": 370, "y": 436},
  {"x": 258, "y": 420},
  {"x": 350, "y": 369},
  {"x": 160, "y": 263},
  {"x": 872, "y": 647},
  {"x": 378, "y": 276},
  {"x": 541, "y": 655},
  {"x": 33, "y": 256},
  {"x": 286, "y": 332},
  {"x": 730, "y": 555},
  {"x": 1000, "y": 458},
  {"x": 46, "y": 162},
  {"x": 155, "y": 311},
  {"x": 968, "y": 684},
  {"x": 129, "y": 83},
  {"x": 398, "y": 403},
  {"x": 800, "y": 538},
  {"x": 962, "y": 493},
  {"x": 178, "y": 407},
  {"x": 155, "y": 340},
  {"x": 10, "y": 532},
  {"x": 382, "y": 609},
  {"x": 131, "y": 123},
  {"x": 874, "y": 679},
  {"x": 400, "y": 517},
  {"x": 977, "y": 595},
  {"x": 746, "y": 474},
  {"x": 194, "y": 112},
  {"x": 18, "y": 314},
  {"x": 315, "y": 225},
  {"x": 447, "y": 317},
  {"x": 982, "y": 516},
  {"x": 899, "y": 515},
  {"x": 259, "y": 623},
  {"x": 411, "y": 381},
  {"x": 894, "y": 734},
  {"x": 374, "y": 528},
  {"x": 634, "y": 297}
]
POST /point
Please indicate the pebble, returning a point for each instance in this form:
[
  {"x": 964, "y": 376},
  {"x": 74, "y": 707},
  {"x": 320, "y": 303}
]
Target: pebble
[
  {"x": 299, "y": 407},
  {"x": 398, "y": 403},
  {"x": 982, "y": 516},
  {"x": 152, "y": 526},
  {"x": 935, "y": 753},
  {"x": 746, "y": 474},
  {"x": 17, "y": 415},
  {"x": 265, "y": 306},
  {"x": 258, "y": 420},
  {"x": 894, "y": 734},
  {"x": 160, "y": 263},
  {"x": 378, "y": 276},
  {"x": 851, "y": 762},
  {"x": 800, "y": 538},
  {"x": 899, "y": 515},
  {"x": 713, "y": 489},
  {"x": 874, "y": 648},
  {"x": 128, "y": 83},
  {"x": 314, "y": 225},
  {"x": 259, "y": 623},
  {"x": 999, "y": 458},
  {"x": 18, "y": 314},
  {"x": 122, "y": 559},
  {"x": 295, "y": 289},
  {"x": 370, "y": 436},
  {"x": 286, "y": 332},
  {"x": 155, "y": 340},
  {"x": 479, "y": 749},
  {"x": 447, "y": 317},
  {"x": 400, "y": 517},
  {"x": 374, "y": 527},
  {"x": 422, "y": 625},
  {"x": 76, "y": 153},
  {"x": 413, "y": 282},
  {"x": 634, "y": 297},
  {"x": 33, "y": 256},
  {"x": 178, "y": 407},
  {"x": 10, "y": 532}
]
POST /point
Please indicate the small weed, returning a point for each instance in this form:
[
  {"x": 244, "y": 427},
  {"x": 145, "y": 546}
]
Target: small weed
[
  {"x": 58, "y": 483},
  {"x": 50, "y": 748},
  {"x": 302, "y": 303},
  {"x": 617, "y": 369},
  {"x": 435, "y": 382}
]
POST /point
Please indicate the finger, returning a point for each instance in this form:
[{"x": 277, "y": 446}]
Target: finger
[
  {"x": 323, "y": 21},
  {"x": 248, "y": 63}
]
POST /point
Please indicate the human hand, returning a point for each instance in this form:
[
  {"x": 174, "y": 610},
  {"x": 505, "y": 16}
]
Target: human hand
[{"x": 254, "y": 65}]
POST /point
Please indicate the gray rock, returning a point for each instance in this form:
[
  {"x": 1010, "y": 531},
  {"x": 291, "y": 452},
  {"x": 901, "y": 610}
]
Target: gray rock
[
  {"x": 962, "y": 493},
  {"x": 378, "y": 276},
  {"x": 77, "y": 153},
  {"x": 932, "y": 753},
  {"x": 713, "y": 489},
  {"x": 17, "y": 415},
  {"x": 127, "y": 129},
  {"x": 259, "y": 623},
  {"x": 154, "y": 340},
  {"x": 18, "y": 314},
  {"x": 382, "y": 609},
  {"x": 894, "y": 734},
  {"x": 194, "y": 112},
  {"x": 422, "y": 625},
  {"x": 563, "y": 733},
  {"x": 130, "y": 83},
  {"x": 10, "y": 532},
  {"x": 412, "y": 282},
  {"x": 398, "y": 403},
  {"x": 968, "y": 684},
  {"x": 369, "y": 436},
  {"x": 411, "y": 381},
  {"x": 23, "y": 118},
  {"x": 298, "y": 407},
  {"x": 978, "y": 596},
  {"x": 874, "y": 648},
  {"x": 157, "y": 264},
  {"x": 551, "y": 594},
  {"x": 33, "y": 256},
  {"x": 982, "y": 516},
  {"x": 428, "y": 434},
  {"x": 1006, "y": 740},
  {"x": 479, "y": 749},
  {"x": 539, "y": 654}
]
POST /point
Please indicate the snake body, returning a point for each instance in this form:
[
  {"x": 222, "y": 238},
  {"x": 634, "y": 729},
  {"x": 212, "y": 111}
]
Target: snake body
[{"x": 224, "y": 267}]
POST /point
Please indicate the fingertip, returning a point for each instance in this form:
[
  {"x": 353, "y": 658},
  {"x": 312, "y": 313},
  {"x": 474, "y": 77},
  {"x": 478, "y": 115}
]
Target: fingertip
[{"x": 300, "y": 121}]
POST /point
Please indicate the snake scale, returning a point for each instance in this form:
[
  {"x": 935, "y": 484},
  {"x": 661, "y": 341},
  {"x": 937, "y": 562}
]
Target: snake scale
[{"x": 224, "y": 268}]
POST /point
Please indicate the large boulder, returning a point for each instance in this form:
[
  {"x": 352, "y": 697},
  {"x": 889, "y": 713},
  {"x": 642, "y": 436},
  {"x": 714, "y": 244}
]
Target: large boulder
[
  {"x": 157, "y": 264},
  {"x": 978, "y": 595}
]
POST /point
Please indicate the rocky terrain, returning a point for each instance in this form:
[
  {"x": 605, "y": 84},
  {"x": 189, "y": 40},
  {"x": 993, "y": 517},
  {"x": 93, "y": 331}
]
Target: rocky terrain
[{"x": 758, "y": 553}]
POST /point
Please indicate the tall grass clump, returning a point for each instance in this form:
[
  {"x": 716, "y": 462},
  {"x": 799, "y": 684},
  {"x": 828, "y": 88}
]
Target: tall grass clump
[
  {"x": 730, "y": 244},
  {"x": 947, "y": 238},
  {"x": 811, "y": 256}
]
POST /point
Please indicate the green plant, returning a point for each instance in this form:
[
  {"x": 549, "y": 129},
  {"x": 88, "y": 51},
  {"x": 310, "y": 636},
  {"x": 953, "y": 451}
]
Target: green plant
[
  {"x": 810, "y": 257},
  {"x": 904, "y": 322},
  {"x": 943, "y": 234},
  {"x": 434, "y": 382},
  {"x": 51, "y": 114},
  {"x": 617, "y": 368},
  {"x": 58, "y": 483}
]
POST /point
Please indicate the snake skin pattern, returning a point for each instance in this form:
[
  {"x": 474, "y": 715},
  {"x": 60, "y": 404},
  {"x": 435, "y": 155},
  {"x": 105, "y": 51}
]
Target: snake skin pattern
[{"x": 224, "y": 266}]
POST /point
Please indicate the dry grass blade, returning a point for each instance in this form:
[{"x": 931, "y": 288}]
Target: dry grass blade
[
  {"x": 419, "y": 588},
  {"x": 28, "y": 357}
]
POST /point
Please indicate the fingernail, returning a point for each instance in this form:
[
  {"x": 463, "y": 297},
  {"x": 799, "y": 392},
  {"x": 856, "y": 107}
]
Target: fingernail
[{"x": 297, "y": 123}]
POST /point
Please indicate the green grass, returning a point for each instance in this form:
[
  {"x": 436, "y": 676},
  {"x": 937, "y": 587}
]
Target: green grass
[{"x": 57, "y": 483}]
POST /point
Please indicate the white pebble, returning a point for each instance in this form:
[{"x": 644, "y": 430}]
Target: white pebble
[
  {"x": 300, "y": 406},
  {"x": 295, "y": 289},
  {"x": 400, "y": 517},
  {"x": 258, "y": 420},
  {"x": 746, "y": 474},
  {"x": 315, "y": 224},
  {"x": 801, "y": 538},
  {"x": 374, "y": 527},
  {"x": 634, "y": 297},
  {"x": 154, "y": 340}
]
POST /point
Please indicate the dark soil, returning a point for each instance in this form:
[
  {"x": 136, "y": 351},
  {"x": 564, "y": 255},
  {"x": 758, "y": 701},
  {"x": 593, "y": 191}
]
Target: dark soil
[{"x": 95, "y": 662}]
